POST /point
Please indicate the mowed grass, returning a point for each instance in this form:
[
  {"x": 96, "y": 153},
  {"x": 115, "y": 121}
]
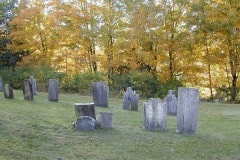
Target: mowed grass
[{"x": 42, "y": 130}]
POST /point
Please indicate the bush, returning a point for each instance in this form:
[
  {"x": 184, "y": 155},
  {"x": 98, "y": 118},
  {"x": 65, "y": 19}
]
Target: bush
[
  {"x": 117, "y": 83},
  {"x": 42, "y": 75},
  {"x": 81, "y": 83}
]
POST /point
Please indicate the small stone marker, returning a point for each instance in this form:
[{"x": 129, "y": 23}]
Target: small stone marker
[
  {"x": 217, "y": 101},
  {"x": 100, "y": 94},
  {"x": 155, "y": 115},
  {"x": 27, "y": 90},
  {"x": 34, "y": 84},
  {"x": 105, "y": 120},
  {"x": 8, "y": 91},
  {"x": 53, "y": 90},
  {"x": 85, "y": 109},
  {"x": 1, "y": 85},
  {"x": 130, "y": 100},
  {"x": 85, "y": 123},
  {"x": 171, "y": 103},
  {"x": 187, "y": 110}
]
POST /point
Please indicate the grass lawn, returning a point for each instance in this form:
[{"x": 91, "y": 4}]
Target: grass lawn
[{"x": 42, "y": 130}]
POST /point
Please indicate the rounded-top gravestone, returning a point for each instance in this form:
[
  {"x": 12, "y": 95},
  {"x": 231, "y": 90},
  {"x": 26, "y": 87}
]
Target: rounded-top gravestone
[
  {"x": 27, "y": 90},
  {"x": 53, "y": 90}
]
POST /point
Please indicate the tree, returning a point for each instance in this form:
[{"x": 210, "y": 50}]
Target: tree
[
  {"x": 7, "y": 57},
  {"x": 30, "y": 31},
  {"x": 225, "y": 16}
]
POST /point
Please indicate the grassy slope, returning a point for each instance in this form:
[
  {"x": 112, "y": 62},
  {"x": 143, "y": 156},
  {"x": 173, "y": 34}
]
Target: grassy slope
[{"x": 42, "y": 130}]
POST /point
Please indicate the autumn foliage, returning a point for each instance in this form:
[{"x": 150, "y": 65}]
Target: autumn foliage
[{"x": 193, "y": 42}]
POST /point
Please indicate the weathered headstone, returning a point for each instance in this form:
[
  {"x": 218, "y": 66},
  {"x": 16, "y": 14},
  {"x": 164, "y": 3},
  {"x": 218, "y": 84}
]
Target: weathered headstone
[
  {"x": 85, "y": 109},
  {"x": 105, "y": 120},
  {"x": 1, "y": 85},
  {"x": 100, "y": 94},
  {"x": 130, "y": 100},
  {"x": 155, "y": 115},
  {"x": 53, "y": 90},
  {"x": 171, "y": 101},
  {"x": 85, "y": 123},
  {"x": 34, "y": 84},
  {"x": 217, "y": 101},
  {"x": 187, "y": 110},
  {"x": 27, "y": 90},
  {"x": 8, "y": 91}
]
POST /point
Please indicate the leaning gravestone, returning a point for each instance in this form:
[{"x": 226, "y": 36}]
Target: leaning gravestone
[
  {"x": 155, "y": 115},
  {"x": 85, "y": 123},
  {"x": 85, "y": 109},
  {"x": 1, "y": 85},
  {"x": 130, "y": 100},
  {"x": 171, "y": 103},
  {"x": 105, "y": 120},
  {"x": 34, "y": 84},
  {"x": 27, "y": 90},
  {"x": 8, "y": 91},
  {"x": 53, "y": 90},
  {"x": 100, "y": 94},
  {"x": 187, "y": 111}
]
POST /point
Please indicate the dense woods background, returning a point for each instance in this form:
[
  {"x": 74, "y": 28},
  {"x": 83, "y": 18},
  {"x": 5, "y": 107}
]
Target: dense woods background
[{"x": 151, "y": 45}]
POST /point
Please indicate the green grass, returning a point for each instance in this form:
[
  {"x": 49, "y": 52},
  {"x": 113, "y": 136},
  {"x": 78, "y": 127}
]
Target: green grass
[{"x": 42, "y": 130}]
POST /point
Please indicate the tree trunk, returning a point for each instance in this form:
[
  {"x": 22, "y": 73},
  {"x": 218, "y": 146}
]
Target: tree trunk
[{"x": 210, "y": 81}]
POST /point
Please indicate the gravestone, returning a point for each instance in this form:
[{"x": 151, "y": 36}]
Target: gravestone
[
  {"x": 217, "y": 101},
  {"x": 1, "y": 85},
  {"x": 155, "y": 115},
  {"x": 85, "y": 123},
  {"x": 105, "y": 120},
  {"x": 34, "y": 84},
  {"x": 100, "y": 94},
  {"x": 8, "y": 91},
  {"x": 171, "y": 101},
  {"x": 27, "y": 90},
  {"x": 130, "y": 100},
  {"x": 187, "y": 110},
  {"x": 85, "y": 109},
  {"x": 53, "y": 90}
]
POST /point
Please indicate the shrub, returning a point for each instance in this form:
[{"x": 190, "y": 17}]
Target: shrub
[
  {"x": 42, "y": 74},
  {"x": 81, "y": 83}
]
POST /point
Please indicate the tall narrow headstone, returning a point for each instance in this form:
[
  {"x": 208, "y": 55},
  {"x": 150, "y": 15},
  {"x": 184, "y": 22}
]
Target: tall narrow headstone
[
  {"x": 27, "y": 90},
  {"x": 34, "y": 84},
  {"x": 1, "y": 85},
  {"x": 171, "y": 101},
  {"x": 53, "y": 90},
  {"x": 100, "y": 94},
  {"x": 155, "y": 115},
  {"x": 130, "y": 100},
  {"x": 187, "y": 110},
  {"x": 85, "y": 109},
  {"x": 8, "y": 91}
]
